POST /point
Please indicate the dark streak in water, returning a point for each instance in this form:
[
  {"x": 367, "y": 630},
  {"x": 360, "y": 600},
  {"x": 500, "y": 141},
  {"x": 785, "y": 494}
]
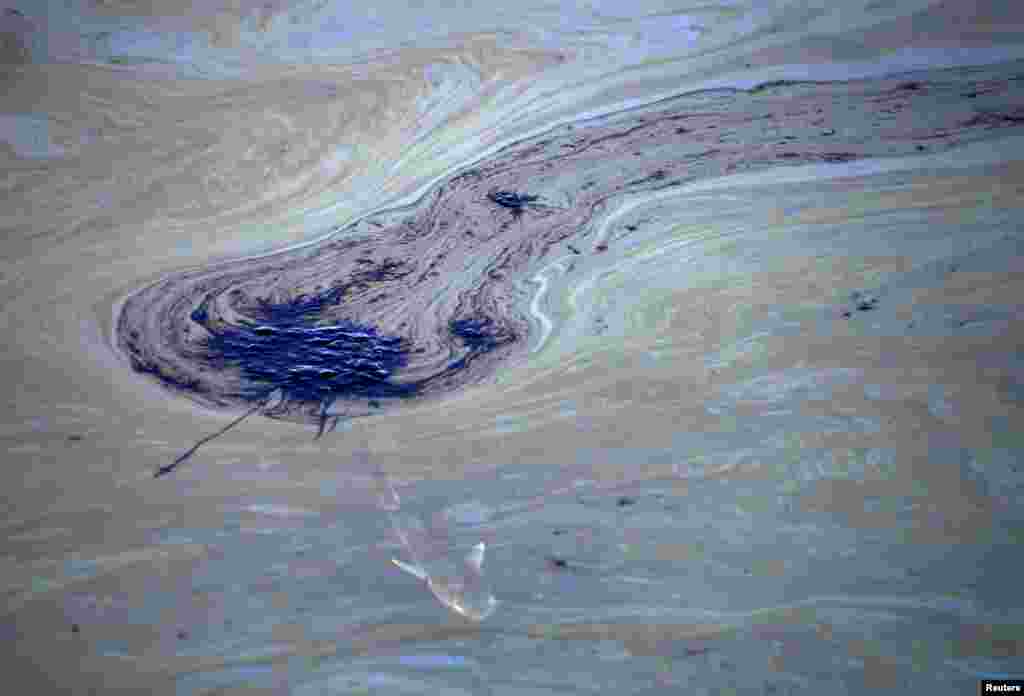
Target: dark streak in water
[{"x": 168, "y": 468}]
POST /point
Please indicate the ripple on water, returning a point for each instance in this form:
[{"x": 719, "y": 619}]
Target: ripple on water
[
  {"x": 804, "y": 383},
  {"x": 277, "y": 510},
  {"x": 470, "y": 513},
  {"x": 258, "y": 675},
  {"x": 997, "y": 472},
  {"x": 859, "y": 464}
]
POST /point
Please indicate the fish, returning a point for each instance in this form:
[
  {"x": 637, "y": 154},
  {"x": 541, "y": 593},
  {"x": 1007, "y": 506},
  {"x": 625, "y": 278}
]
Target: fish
[
  {"x": 459, "y": 584},
  {"x": 466, "y": 592}
]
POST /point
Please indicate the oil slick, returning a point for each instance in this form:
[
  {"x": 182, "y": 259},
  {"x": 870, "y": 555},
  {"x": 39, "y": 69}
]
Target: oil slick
[{"x": 459, "y": 585}]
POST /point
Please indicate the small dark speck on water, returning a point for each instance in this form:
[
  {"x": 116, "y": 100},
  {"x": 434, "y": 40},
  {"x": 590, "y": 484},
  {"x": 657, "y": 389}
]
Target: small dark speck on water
[
  {"x": 624, "y": 501},
  {"x": 863, "y": 302},
  {"x": 74, "y": 438},
  {"x": 558, "y": 532},
  {"x": 558, "y": 562},
  {"x": 75, "y": 628},
  {"x": 480, "y": 334},
  {"x": 182, "y": 635},
  {"x": 601, "y": 247},
  {"x": 510, "y": 199}
]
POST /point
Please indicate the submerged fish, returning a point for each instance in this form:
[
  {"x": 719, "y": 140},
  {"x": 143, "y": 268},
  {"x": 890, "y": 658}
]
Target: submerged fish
[
  {"x": 458, "y": 584},
  {"x": 464, "y": 591}
]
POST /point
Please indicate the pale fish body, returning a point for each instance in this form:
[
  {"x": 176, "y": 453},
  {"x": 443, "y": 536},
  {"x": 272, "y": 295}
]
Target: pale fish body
[
  {"x": 458, "y": 584},
  {"x": 464, "y": 591}
]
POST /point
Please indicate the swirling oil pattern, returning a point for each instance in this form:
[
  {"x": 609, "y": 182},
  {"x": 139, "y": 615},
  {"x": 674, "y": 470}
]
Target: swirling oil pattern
[
  {"x": 426, "y": 304},
  {"x": 511, "y": 348}
]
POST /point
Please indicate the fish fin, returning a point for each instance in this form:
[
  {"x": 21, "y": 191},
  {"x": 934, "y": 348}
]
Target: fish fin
[
  {"x": 475, "y": 558},
  {"x": 410, "y": 569}
]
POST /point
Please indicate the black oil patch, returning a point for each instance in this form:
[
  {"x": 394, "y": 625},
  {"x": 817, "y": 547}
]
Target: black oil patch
[{"x": 309, "y": 363}]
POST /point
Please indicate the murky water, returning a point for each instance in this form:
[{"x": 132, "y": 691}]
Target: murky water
[{"x": 492, "y": 350}]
